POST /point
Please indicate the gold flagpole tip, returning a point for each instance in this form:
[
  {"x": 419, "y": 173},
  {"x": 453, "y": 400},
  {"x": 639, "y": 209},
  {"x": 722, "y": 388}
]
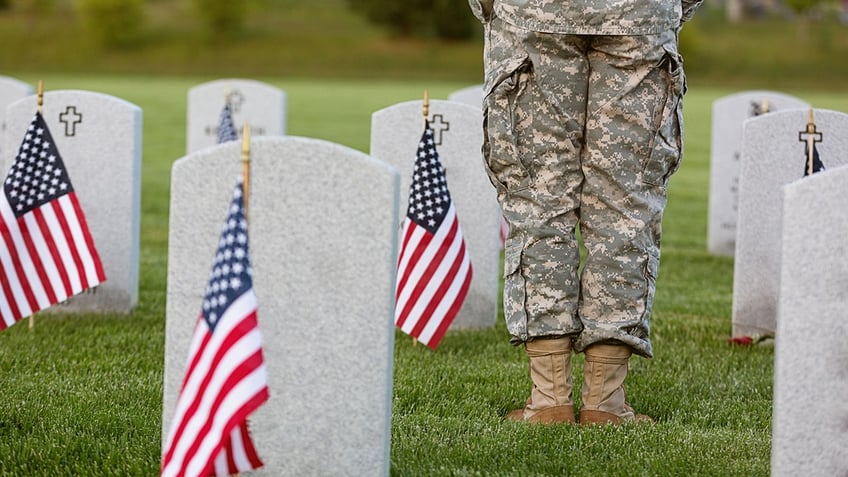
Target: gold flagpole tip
[
  {"x": 765, "y": 107},
  {"x": 40, "y": 95},
  {"x": 811, "y": 125},
  {"x": 426, "y": 103}
]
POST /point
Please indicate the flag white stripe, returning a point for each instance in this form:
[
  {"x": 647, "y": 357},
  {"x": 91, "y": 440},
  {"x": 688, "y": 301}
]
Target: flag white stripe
[
  {"x": 237, "y": 449},
  {"x": 62, "y": 248},
  {"x": 446, "y": 301},
  {"x": 234, "y": 314},
  {"x": 43, "y": 252},
  {"x": 18, "y": 245},
  {"x": 432, "y": 287},
  {"x": 426, "y": 258},
  {"x": 409, "y": 248},
  {"x": 246, "y": 346},
  {"x": 251, "y": 385},
  {"x": 79, "y": 240},
  {"x": 411, "y": 245}
]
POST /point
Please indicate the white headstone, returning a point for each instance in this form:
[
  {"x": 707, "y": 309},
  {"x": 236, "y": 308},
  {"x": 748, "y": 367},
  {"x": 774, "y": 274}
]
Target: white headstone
[
  {"x": 99, "y": 138},
  {"x": 11, "y": 90},
  {"x": 472, "y": 95},
  {"x": 457, "y": 127},
  {"x": 263, "y": 106},
  {"x": 773, "y": 156},
  {"x": 811, "y": 352},
  {"x": 729, "y": 113},
  {"x": 323, "y": 246}
]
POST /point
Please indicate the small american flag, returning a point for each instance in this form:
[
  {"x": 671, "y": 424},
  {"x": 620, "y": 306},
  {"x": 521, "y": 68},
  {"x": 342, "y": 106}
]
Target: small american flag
[
  {"x": 226, "y": 379},
  {"x": 817, "y": 165},
  {"x": 47, "y": 254},
  {"x": 226, "y": 128},
  {"x": 434, "y": 269}
]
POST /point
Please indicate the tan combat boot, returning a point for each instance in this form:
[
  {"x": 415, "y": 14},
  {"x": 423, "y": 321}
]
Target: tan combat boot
[
  {"x": 603, "y": 386},
  {"x": 550, "y": 370}
]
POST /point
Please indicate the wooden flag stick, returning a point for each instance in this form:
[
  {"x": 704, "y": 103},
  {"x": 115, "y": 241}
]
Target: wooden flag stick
[
  {"x": 426, "y": 109},
  {"x": 245, "y": 164},
  {"x": 811, "y": 141},
  {"x": 40, "y": 95}
]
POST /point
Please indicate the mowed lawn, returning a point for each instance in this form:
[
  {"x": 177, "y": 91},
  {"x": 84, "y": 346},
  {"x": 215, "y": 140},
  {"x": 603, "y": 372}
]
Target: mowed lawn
[{"x": 82, "y": 395}]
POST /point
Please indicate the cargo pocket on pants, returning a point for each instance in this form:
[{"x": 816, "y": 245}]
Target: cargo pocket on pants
[
  {"x": 667, "y": 144},
  {"x": 652, "y": 266},
  {"x": 502, "y": 159},
  {"x": 515, "y": 293}
]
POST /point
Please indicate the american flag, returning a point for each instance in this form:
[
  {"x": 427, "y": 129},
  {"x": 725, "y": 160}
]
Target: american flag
[
  {"x": 434, "y": 269},
  {"x": 47, "y": 254},
  {"x": 817, "y": 165},
  {"x": 226, "y": 379},
  {"x": 226, "y": 128}
]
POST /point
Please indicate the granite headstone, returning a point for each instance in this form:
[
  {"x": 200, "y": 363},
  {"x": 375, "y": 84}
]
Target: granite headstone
[
  {"x": 99, "y": 138},
  {"x": 457, "y": 127},
  {"x": 728, "y": 115},
  {"x": 262, "y": 105},
  {"x": 810, "y": 418},
  {"x": 472, "y": 95},
  {"x": 774, "y": 153},
  {"x": 323, "y": 246}
]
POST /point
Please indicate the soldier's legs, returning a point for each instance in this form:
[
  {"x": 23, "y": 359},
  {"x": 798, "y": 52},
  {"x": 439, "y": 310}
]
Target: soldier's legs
[
  {"x": 533, "y": 123},
  {"x": 632, "y": 145}
]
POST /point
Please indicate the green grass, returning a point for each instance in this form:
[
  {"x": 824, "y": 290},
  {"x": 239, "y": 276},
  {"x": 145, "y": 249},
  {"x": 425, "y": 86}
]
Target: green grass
[{"x": 82, "y": 395}]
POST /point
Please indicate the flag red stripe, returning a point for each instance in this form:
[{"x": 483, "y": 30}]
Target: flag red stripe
[
  {"x": 6, "y": 278},
  {"x": 434, "y": 299},
  {"x": 248, "y": 448},
  {"x": 454, "y": 309},
  {"x": 215, "y": 353},
  {"x": 406, "y": 264},
  {"x": 72, "y": 246},
  {"x": 238, "y": 422},
  {"x": 411, "y": 264},
  {"x": 21, "y": 274},
  {"x": 10, "y": 301},
  {"x": 427, "y": 276},
  {"x": 218, "y": 354},
  {"x": 57, "y": 260},
  {"x": 244, "y": 369},
  {"x": 89, "y": 241}
]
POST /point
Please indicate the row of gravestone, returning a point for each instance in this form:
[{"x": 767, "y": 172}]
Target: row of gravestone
[
  {"x": 786, "y": 232},
  {"x": 328, "y": 314},
  {"x": 324, "y": 223}
]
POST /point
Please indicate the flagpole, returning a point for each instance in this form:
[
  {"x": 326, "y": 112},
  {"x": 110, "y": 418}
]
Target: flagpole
[
  {"x": 811, "y": 138},
  {"x": 40, "y": 95},
  {"x": 40, "y": 108},
  {"x": 245, "y": 164},
  {"x": 425, "y": 110},
  {"x": 245, "y": 172}
]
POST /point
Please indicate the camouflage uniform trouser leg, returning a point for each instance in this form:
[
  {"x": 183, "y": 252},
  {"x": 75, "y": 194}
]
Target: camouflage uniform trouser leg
[{"x": 581, "y": 131}]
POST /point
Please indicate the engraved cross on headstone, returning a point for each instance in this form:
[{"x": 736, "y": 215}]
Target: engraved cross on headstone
[
  {"x": 236, "y": 99},
  {"x": 438, "y": 125},
  {"x": 70, "y": 118},
  {"x": 810, "y": 137}
]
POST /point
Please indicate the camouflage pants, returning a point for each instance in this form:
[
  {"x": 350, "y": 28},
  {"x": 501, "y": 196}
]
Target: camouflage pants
[{"x": 581, "y": 134}]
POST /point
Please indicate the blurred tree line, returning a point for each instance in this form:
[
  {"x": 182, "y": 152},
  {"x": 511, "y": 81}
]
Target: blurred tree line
[
  {"x": 448, "y": 19},
  {"x": 118, "y": 22}
]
